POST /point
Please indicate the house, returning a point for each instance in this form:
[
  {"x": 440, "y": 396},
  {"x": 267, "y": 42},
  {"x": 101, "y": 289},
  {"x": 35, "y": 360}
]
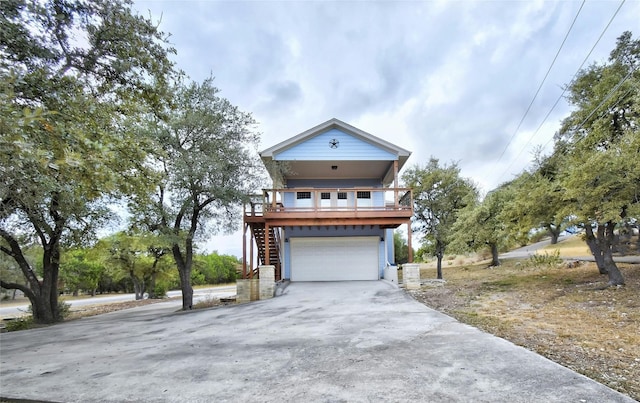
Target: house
[{"x": 333, "y": 207}]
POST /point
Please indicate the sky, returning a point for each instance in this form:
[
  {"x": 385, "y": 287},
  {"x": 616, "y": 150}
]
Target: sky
[{"x": 470, "y": 82}]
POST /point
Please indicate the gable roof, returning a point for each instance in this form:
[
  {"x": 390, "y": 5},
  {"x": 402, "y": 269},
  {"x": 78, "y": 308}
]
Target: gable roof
[
  {"x": 320, "y": 169},
  {"x": 334, "y": 123}
]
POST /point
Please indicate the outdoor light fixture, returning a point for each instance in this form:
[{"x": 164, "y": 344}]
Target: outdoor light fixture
[{"x": 334, "y": 167}]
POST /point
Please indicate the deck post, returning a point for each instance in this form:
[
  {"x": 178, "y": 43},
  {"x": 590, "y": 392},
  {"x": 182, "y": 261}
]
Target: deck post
[
  {"x": 409, "y": 242},
  {"x": 244, "y": 250},
  {"x": 253, "y": 240},
  {"x": 395, "y": 184},
  {"x": 266, "y": 245}
]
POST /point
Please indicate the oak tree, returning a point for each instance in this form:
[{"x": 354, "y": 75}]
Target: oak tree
[
  {"x": 74, "y": 76},
  {"x": 599, "y": 145},
  {"x": 439, "y": 194},
  {"x": 207, "y": 166}
]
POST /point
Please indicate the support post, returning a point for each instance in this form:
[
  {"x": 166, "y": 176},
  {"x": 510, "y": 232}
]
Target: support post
[
  {"x": 251, "y": 253},
  {"x": 411, "y": 276},
  {"x": 409, "y": 242},
  {"x": 267, "y": 281},
  {"x": 266, "y": 244},
  {"x": 244, "y": 251},
  {"x": 395, "y": 184}
]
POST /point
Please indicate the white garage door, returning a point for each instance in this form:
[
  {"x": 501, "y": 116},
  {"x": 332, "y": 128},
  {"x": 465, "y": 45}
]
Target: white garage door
[{"x": 334, "y": 259}]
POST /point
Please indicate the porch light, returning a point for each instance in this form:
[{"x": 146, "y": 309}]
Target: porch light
[{"x": 334, "y": 167}]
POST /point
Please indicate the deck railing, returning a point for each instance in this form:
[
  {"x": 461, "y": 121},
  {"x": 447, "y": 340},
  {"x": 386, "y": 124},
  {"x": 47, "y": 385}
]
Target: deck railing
[{"x": 300, "y": 200}]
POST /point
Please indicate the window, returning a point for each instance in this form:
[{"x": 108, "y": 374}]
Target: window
[
  {"x": 342, "y": 195},
  {"x": 364, "y": 195},
  {"x": 303, "y": 195},
  {"x": 325, "y": 196}
]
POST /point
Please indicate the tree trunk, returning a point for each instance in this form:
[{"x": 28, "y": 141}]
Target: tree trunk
[
  {"x": 152, "y": 286},
  {"x": 439, "y": 255},
  {"x": 184, "y": 270},
  {"x": 138, "y": 286},
  {"x": 43, "y": 295},
  {"x": 554, "y": 232},
  {"x": 601, "y": 246},
  {"x": 154, "y": 276},
  {"x": 594, "y": 247},
  {"x": 615, "y": 276},
  {"x": 494, "y": 255}
]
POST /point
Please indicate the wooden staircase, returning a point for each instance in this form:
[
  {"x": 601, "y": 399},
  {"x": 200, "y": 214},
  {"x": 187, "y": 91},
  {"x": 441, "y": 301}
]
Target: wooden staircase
[{"x": 258, "y": 230}]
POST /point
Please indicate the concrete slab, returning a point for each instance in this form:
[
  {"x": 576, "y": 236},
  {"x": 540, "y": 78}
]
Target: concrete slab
[{"x": 349, "y": 341}]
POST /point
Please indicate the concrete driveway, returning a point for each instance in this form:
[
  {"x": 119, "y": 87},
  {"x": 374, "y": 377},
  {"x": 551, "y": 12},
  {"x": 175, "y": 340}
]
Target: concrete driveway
[{"x": 318, "y": 342}]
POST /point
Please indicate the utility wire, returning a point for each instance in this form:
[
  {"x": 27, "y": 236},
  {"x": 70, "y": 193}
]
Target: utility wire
[
  {"x": 609, "y": 95},
  {"x": 563, "y": 92},
  {"x": 542, "y": 83}
]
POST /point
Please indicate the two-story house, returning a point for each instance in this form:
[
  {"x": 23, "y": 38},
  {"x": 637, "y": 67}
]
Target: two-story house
[{"x": 332, "y": 209}]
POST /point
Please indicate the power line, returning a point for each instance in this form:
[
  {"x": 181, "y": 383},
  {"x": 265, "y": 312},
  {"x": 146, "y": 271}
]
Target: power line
[
  {"x": 609, "y": 95},
  {"x": 542, "y": 83},
  {"x": 563, "y": 91}
]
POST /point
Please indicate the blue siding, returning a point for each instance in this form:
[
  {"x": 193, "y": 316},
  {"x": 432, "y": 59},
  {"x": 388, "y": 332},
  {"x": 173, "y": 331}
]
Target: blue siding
[
  {"x": 377, "y": 197},
  {"x": 333, "y": 183},
  {"x": 350, "y": 149},
  {"x": 390, "y": 247}
]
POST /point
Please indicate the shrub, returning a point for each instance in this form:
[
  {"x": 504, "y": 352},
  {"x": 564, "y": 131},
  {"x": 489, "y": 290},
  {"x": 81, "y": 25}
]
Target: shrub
[
  {"x": 22, "y": 323},
  {"x": 548, "y": 260},
  {"x": 64, "y": 310},
  {"x": 207, "y": 302},
  {"x": 160, "y": 290}
]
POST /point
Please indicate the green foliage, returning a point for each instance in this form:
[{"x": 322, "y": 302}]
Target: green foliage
[
  {"x": 207, "y": 166},
  {"x": 22, "y": 323},
  {"x": 439, "y": 194},
  {"x": 599, "y": 149},
  {"x": 64, "y": 310},
  {"x": 141, "y": 258},
  {"x": 546, "y": 259},
  {"x": 79, "y": 270},
  {"x": 217, "y": 269},
  {"x": 75, "y": 77},
  {"x": 160, "y": 290},
  {"x": 536, "y": 200},
  {"x": 197, "y": 278},
  {"x": 483, "y": 225},
  {"x": 400, "y": 247}
]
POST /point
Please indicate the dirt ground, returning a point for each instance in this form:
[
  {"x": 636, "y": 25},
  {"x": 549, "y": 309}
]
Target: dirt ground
[{"x": 565, "y": 313}]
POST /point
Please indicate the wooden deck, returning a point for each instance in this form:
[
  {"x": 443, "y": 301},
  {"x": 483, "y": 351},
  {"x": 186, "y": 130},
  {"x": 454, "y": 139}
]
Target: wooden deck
[{"x": 386, "y": 207}]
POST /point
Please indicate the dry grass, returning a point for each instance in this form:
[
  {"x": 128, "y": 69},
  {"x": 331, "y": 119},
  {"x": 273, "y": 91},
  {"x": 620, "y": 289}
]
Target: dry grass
[
  {"x": 566, "y": 314},
  {"x": 573, "y": 246}
]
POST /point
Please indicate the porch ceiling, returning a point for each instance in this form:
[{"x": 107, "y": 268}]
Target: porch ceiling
[{"x": 344, "y": 170}]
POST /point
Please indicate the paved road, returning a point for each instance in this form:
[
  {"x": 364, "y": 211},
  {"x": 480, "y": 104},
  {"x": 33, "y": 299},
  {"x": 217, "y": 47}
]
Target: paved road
[
  {"x": 318, "y": 342},
  {"x": 199, "y": 294},
  {"x": 531, "y": 249},
  {"x": 526, "y": 251}
]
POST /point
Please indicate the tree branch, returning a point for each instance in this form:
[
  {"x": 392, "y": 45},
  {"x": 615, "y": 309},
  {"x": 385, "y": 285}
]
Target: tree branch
[
  {"x": 16, "y": 253},
  {"x": 16, "y": 286}
]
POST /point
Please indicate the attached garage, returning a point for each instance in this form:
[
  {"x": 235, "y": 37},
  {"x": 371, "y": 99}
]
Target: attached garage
[{"x": 334, "y": 258}]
